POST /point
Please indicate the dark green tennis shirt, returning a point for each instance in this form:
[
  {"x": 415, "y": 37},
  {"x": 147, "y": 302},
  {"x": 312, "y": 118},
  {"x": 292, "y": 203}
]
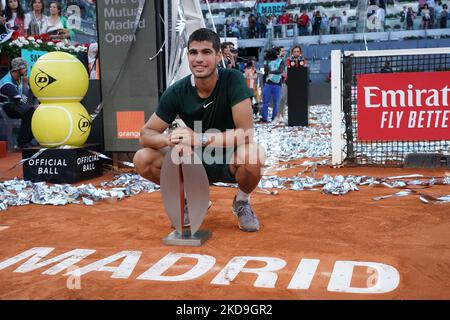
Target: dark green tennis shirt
[{"x": 215, "y": 111}]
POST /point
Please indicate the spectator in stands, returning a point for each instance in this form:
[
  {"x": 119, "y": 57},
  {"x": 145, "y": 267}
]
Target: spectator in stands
[
  {"x": 244, "y": 27},
  {"x": 234, "y": 26},
  {"x": 324, "y": 24},
  {"x": 277, "y": 30},
  {"x": 334, "y": 24},
  {"x": 303, "y": 23},
  {"x": 403, "y": 17},
  {"x": 431, "y": 5},
  {"x": 13, "y": 94},
  {"x": 381, "y": 15},
  {"x": 317, "y": 20},
  {"x": 252, "y": 25},
  {"x": 443, "y": 16},
  {"x": 410, "y": 16},
  {"x": 344, "y": 22},
  {"x": 437, "y": 11},
  {"x": 238, "y": 28},
  {"x": 230, "y": 25},
  {"x": 270, "y": 26},
  {"x": 284, "y": 18},
  {"x": 426, "y": 17},
  {"x": 58, "y": 28},
  {"x": 227, "y": 28},
  {"x": 263, "y": 26},
  {"x": 258, "y": 25},
  {"x": 421, "y": 5},
  {"x": 372, "y": 16},
  {"x": 273, "y": 78},
  {"x": 37, "y": 20},
  {"x": 291, "y": 18},
  {"x": 14, "y": 18}
]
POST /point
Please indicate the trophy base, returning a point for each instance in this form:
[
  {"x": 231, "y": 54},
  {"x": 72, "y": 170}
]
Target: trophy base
[{"x": 186, "y": 239}]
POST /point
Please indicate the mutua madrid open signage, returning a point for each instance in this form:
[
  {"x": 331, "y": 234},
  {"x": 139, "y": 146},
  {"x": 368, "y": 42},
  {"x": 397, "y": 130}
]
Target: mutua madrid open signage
[
  {"x": 409, "y": 106},
  {"x": 127, "y": 31}
]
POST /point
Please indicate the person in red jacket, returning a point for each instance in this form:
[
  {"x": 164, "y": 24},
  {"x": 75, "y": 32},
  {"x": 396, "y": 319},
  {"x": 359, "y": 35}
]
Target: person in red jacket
[
  {"x": 303, "y": 23},
  {"x": 284, "y": 19}
]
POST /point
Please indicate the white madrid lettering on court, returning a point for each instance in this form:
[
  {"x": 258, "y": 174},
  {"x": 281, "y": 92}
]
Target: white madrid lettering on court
[
  {"x": 37, "y": 254},
  {"x": 267, "y": 276},
  {"x": 123, "y": 271},
  {"x": 387, "y": 278},
  {"x": 303, "y": 276},
  {"x": 203, "y": 265}
]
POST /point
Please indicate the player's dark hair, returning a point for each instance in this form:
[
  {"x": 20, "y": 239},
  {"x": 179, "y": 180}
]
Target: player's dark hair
[{"x": 205, "y": 34}]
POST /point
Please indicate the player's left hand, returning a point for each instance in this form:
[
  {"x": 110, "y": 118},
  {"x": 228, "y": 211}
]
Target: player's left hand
[{"x": 185, "y": 136}]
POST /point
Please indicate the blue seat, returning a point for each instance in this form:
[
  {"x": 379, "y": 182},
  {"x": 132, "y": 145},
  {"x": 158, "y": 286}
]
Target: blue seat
[{"x": 9, "y": 129}]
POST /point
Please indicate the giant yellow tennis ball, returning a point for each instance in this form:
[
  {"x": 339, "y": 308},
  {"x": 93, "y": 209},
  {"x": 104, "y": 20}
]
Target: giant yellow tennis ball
[
  {"x": 58, "y": 76},
  {"x": 56, "y": 124}
]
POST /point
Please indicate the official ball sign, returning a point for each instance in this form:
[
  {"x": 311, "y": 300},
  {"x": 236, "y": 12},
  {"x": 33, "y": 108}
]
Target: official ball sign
[
  {"x": 61, "y": 165},
  {"x": 410, "y": 106}
]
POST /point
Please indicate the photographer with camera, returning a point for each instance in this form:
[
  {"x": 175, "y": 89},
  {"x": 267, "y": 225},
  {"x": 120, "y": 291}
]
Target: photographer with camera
[
  {"x": 274, "y": 68},
  {"x": 15, "y": 96}
]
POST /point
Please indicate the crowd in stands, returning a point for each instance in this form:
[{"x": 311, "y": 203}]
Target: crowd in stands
[
  {"x": 433, "y": 14},
  {"x": 40, "y": 17},
  {"x": 34, "y": 22},
  {"x": 262, "y": 26}
]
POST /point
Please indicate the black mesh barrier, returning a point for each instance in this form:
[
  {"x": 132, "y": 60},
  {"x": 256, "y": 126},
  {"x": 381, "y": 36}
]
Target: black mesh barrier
[{"x": 384, "y": 153}]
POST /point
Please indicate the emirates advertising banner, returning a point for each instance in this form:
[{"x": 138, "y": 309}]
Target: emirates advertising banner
[{"x": 409, "y": 106}]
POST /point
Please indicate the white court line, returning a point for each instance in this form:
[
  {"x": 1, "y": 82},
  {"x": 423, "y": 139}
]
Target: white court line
[{"x": 3, "y": 227}]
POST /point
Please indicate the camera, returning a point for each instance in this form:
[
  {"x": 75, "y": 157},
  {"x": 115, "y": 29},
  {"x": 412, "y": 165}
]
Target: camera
[{"x": 271, "y": 54}]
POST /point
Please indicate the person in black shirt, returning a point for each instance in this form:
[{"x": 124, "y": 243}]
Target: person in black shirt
[{"x": 216, "y": 108}]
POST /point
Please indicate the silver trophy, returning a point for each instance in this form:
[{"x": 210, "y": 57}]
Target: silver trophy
[{"x": 180, "y": 179}]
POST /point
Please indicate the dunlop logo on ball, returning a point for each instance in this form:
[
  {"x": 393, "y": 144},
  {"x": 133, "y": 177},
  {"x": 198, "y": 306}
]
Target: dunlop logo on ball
[
  {"x": 59, "y": 77},
  {"x": 84, "y": 124},
  {"x": 43, "y": 79}
]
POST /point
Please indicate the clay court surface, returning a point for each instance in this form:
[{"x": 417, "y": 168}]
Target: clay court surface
[{"x": 411, "y": 236}]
